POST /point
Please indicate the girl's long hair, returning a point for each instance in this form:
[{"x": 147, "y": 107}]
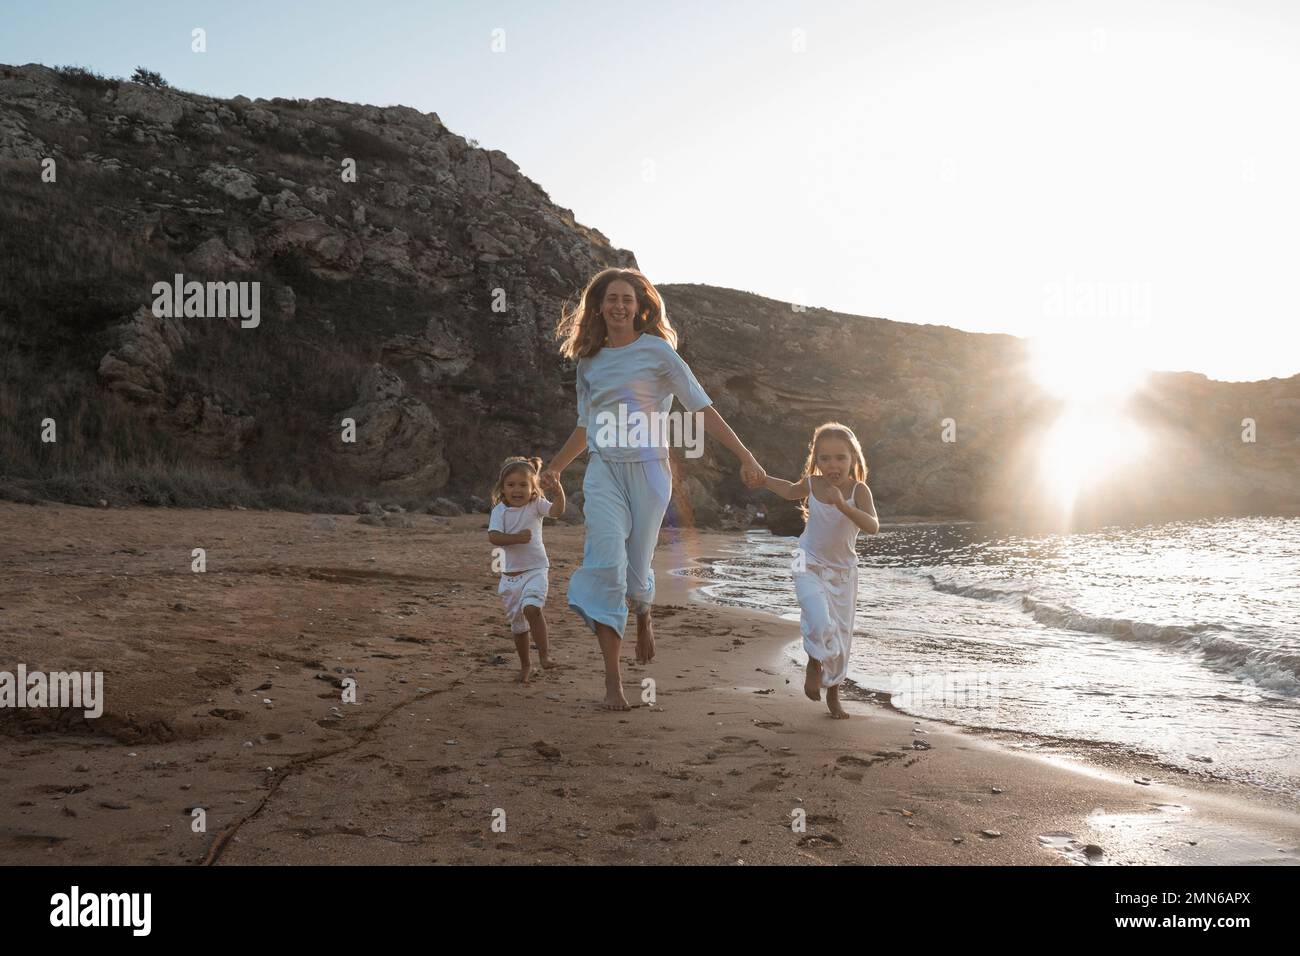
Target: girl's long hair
[
  {"x": 833, "y": 430},
  {"x": 532, "y": 466},
  {"x": 582, "y": 330}
]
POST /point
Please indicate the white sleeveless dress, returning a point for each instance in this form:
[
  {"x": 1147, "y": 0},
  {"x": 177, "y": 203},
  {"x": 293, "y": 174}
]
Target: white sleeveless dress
[{"x": 827, "y": 587}]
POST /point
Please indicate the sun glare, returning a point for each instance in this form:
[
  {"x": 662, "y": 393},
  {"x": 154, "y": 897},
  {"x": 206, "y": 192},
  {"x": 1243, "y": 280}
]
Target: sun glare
[
  {"x": 1094, "y": 435},
  {"x": 1086, "y": 444},
  {"x": 1085, "y": 368}
]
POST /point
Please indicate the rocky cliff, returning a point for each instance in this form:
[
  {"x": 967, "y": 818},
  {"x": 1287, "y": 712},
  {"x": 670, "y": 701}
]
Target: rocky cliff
[{"x": 418, "y": 298}]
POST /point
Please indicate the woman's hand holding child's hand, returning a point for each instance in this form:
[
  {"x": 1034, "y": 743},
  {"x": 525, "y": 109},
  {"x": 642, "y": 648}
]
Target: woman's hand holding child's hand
[
  {"x": 752, "y": 473},
  {"x": 549, "y": 480}
]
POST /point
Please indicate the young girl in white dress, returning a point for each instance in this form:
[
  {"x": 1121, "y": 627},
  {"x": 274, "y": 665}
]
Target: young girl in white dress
[
  {"x": 826, "y": 565},
  {"x": 515, "y": 527}
]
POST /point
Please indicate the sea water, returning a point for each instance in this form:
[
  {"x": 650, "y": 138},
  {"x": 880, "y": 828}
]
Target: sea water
[{"x": 1178, "y": 640}]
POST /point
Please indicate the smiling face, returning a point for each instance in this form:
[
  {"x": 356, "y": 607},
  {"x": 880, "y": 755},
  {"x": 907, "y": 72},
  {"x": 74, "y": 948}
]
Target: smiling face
[
  {"x": 516, "y": 488},
  {"x": 835, "y": 459},
  {"x": 619, "y": 309}
]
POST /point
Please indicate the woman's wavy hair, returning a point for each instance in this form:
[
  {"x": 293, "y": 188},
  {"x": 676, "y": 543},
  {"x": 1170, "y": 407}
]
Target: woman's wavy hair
[
  {"x": 533, "y": 467},
  {"x": 844, "y": 433},
  {"x": 582, "y": 330}
]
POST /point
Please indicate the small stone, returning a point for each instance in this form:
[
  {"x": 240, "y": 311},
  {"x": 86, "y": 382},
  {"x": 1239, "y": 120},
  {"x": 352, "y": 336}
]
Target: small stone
[{"x": 991, "y": 833}]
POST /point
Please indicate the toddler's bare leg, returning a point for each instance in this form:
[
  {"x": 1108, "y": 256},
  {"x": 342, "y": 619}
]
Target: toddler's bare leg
[{"x": 537, "y": 622}]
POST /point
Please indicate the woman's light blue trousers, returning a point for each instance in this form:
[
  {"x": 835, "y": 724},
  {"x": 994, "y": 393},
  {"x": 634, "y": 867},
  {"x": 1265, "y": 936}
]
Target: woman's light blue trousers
[{"x": 624, "y": 504}]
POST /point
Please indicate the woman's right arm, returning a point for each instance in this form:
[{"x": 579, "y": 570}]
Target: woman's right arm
[
  {"x": 571, "y": 450},
  {"x": 578, "y": 440}
]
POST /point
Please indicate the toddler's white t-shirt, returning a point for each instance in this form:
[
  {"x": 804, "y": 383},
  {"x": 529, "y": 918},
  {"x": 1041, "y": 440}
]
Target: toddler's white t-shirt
[{"x": 522, "y": 557}]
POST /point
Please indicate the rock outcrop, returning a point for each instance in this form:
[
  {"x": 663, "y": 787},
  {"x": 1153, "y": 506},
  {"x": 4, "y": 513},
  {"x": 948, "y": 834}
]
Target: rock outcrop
[{"x": 411, "y": 281}]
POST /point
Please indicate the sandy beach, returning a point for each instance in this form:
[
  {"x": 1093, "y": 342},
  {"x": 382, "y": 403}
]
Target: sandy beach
[{"x": 222, "y": 693}]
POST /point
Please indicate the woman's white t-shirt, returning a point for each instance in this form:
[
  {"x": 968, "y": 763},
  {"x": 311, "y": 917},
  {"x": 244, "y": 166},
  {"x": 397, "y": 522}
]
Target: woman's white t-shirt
[
  {"x": 640, "y": 377},
  {"x": 531, "y": 554}
]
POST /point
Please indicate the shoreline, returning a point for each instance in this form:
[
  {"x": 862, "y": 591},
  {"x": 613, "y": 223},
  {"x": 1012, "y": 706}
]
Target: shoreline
[
  {"x": 221, "y": 693},
  {"x": 1240, "y": 804},
  {"x": 1127, "y": 757}
]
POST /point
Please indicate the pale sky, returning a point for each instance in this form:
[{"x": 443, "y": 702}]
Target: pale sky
[{"x": 1125, "y": 171}]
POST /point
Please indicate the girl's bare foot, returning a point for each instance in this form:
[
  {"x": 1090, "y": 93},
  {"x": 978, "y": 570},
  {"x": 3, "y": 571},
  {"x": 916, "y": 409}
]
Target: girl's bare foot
[
  {"x": 645, "y": 639},
  {"x": 833, "y": 703},
  {"x": 546, "y": 660},
  {"x": 812, "y": 680},
  {"x": 614, "y": 699},
  {"x": 524, "y": 675}
]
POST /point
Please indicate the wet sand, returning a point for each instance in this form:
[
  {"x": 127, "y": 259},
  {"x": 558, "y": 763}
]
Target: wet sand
[{"x": 221, "y": 694}]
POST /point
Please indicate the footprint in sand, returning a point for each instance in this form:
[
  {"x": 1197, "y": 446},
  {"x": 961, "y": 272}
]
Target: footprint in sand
[
  {"x": 1073, "y": 849},
  {"x": 821, "y": 819},
  {"x": 880, "y": 756},
  {"x": 819, "y": 841}
]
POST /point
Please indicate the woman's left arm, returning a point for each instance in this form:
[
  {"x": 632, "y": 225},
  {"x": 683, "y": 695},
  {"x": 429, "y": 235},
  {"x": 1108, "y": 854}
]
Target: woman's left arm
[
  {"x": 863, "y": 510},
  {"x": 751, "y": 471},
  {"x": 678, "y": 378}
]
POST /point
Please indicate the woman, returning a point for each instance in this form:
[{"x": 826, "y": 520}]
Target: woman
[{"x": 627, "y": 364}]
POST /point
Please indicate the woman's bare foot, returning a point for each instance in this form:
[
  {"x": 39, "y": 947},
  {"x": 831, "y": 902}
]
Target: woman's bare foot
[
  {"x": 546, "y": 660},
  {"x": 645, "y": 639},
  {"x": 524, "y": 675},
  {"x": 833, "y": 703},
  {"x": 614, "y": 699},
  {"x": 812, "y": 680}
]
